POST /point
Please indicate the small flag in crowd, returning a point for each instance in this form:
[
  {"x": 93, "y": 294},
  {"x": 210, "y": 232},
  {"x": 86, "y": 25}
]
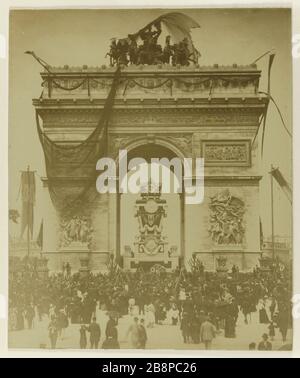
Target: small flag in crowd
[{"x": 40, "y": 237}]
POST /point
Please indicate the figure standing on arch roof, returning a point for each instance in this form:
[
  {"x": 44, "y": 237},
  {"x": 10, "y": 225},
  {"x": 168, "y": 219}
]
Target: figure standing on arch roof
[
  {"x": 132, "y": 49},
  {"x": 168, "y": 50},
  {"x": 150, "y": 52},
  {"x": 181, "y": 53},
  {"x": 149, "y": 36},
  {"x": 113, "y": 53},
  {"x": 122, "y": 51}
]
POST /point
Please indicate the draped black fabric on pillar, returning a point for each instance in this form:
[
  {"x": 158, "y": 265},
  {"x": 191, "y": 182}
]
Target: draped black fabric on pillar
[{"x": 71, "y": 167}]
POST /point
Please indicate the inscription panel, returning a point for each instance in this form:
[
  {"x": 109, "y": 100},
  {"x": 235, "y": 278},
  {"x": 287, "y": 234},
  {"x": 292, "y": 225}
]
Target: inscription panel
[{"x": 226, "y": 152}]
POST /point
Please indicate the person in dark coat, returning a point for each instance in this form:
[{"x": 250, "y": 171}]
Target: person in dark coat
[
  {"x": 263, "y": 317},
  {"x": 29, "y": 314},
  {"x": 83, "y": 338},
  {"x": 282, "y": 321},
  {"x": 62, "y": 322},
  {"x": 272, "y": 331},
  {"x": 142, "y": 334},
  {"x": 272, "y": 307},
  {"x": 111, "y": 341},
  {"x": 95, "y": 334},
  {"x": 20, "y": 319},
  {"x": 195, "y": 329},
  {"x": 265, "y": 343},
  {"x": 53, "y": 332},
  {"x": 185, "y": 327},
  {"x": 246, "y": 308},
  {"x": 229, "y": 326},
  {"x": 109, "y": 326}
]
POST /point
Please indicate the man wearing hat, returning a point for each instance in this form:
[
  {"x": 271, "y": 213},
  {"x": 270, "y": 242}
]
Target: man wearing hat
[
  {"x": 95, "y": 333},
  {"x": 207, "y": 333}
]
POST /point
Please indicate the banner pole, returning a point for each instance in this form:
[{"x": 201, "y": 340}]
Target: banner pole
[
  {"x": 28, "y": 212},
  {"x": 272, "y": 213}
]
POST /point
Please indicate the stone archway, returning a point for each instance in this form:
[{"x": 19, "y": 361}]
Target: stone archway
[
  {"x": 169, "y": 254},
  {"x": 156, "y": 143}
]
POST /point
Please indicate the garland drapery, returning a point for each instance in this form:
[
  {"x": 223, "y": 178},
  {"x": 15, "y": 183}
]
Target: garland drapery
[
  {"x": 77, "y": 159},
  {"x": 209, "y": 81}
]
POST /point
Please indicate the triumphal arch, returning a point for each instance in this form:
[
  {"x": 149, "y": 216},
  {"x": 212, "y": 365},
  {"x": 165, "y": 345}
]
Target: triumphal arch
[{"x": 159, "y": 110}]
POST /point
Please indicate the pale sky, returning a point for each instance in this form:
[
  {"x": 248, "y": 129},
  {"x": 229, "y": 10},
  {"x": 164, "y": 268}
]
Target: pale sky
[{"x": 78, "y": 37}]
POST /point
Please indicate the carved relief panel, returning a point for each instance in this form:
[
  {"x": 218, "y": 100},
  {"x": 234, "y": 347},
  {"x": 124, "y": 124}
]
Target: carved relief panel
[
  {"x": 226, "y": 152},
  {"x": 226, "y": 219}
]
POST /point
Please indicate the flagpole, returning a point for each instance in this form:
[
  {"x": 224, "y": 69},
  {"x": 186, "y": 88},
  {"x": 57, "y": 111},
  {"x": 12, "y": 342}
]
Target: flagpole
[
  {"x": 28, "y": 212},
  {"x": 272, "y": 213}
]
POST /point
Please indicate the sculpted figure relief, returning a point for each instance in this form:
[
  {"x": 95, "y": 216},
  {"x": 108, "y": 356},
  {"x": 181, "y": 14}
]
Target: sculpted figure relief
[
  {"x": 76, "y": 229},
  {"x": 226, "y": 153},
  {"x": 226, "y": 219}
]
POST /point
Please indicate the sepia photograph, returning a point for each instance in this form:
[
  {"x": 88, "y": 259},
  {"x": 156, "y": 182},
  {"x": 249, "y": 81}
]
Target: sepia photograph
[{"x": 150, "y": 179}]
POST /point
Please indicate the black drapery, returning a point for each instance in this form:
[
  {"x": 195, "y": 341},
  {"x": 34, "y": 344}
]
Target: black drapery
[{"x": 77, "y": 160}]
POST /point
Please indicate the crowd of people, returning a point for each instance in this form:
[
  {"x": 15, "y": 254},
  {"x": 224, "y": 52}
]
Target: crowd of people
[{"x": 202, "y": 304}]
